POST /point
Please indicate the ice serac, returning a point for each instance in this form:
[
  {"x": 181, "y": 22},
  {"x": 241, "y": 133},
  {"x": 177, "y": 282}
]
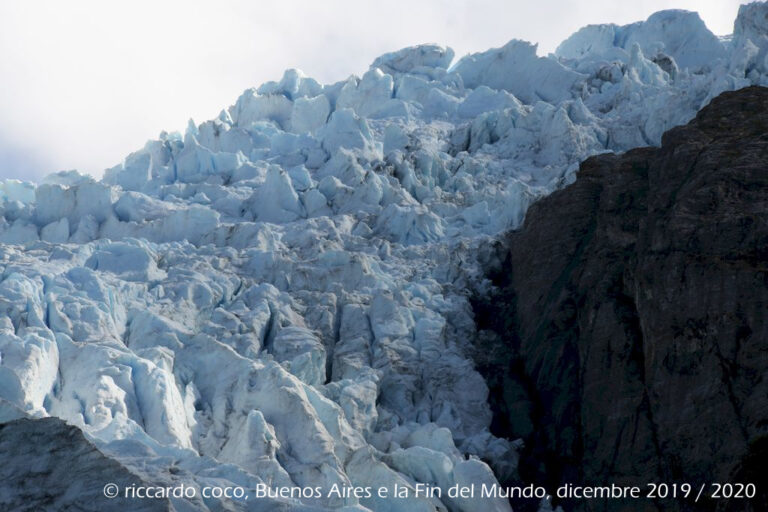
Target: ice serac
[
  {"x": 673, "y": 36},
  {"x": 418, "y": 59},
  {"x": 751, "y": 23},
  {"x": 516, "y": 68},
  {"x": 750, "y": 37},
  {"x": 280, "y": 295}
]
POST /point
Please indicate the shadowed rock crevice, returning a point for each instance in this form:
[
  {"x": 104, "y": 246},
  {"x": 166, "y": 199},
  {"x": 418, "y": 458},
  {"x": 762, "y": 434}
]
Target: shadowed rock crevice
[{"x": 629, "y": 316}]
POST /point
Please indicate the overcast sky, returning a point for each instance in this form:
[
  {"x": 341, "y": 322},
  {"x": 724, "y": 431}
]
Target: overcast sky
[{"x": 86, "y": 82}]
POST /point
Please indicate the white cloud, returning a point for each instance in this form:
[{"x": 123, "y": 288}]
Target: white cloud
[{"x": 86, "y": 81}]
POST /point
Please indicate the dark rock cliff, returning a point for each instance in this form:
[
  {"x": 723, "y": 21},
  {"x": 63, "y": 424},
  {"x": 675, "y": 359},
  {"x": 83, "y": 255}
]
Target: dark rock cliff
[
  {"x": 628, "y": 339},
  {"x": 48, "y": 465}
]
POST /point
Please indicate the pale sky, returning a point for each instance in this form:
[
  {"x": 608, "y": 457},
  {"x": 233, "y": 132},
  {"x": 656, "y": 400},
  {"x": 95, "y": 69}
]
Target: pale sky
[{"x": 85, "y": 82}]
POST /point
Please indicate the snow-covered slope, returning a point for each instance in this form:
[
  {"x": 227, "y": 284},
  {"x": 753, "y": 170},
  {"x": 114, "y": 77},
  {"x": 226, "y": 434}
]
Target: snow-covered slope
[{"x": 280, "y": 295}]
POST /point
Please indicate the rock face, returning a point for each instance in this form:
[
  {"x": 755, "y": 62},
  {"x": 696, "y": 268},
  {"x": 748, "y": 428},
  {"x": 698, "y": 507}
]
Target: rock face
[
  {"x": 49, "y": 465},
  {"x": 627, "y": 340}
]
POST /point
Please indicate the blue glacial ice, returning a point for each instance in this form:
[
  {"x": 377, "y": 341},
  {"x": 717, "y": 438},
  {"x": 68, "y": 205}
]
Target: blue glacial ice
[{"x": 280, "y": 295}]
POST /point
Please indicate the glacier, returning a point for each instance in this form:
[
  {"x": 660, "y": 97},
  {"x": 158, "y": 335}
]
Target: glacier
[{"x": 280, "y": 295}]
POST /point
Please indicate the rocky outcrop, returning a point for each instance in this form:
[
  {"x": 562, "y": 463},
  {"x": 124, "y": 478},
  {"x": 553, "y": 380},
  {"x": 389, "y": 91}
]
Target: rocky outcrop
[
  {"x": 48, "y": 465},
  {"x": 627, "y": 340}
]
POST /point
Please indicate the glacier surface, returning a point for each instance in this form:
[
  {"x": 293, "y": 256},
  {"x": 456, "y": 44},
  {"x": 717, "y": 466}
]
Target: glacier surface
[{"x": 280, "y": 295}]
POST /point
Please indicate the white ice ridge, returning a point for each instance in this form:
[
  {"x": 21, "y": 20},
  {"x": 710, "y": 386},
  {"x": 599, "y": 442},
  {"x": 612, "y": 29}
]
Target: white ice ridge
[{"x": 280, "y": 295}]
